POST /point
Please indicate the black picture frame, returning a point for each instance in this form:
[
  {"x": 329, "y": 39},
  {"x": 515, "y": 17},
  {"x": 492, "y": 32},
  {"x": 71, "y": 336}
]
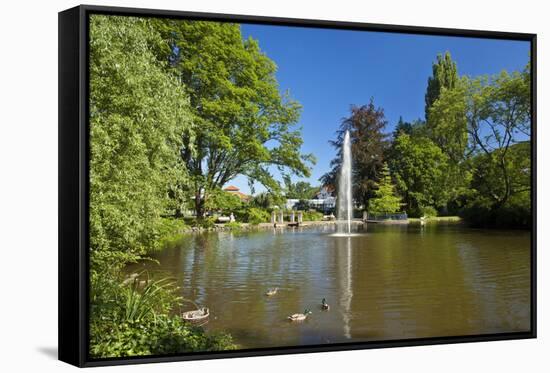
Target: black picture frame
[{"x": 73, "y": 183}]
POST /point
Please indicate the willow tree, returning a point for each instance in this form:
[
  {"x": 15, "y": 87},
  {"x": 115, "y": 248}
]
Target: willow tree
[
  {"x": 138, "y": 116},
  {"x": 245, "y": 125}
]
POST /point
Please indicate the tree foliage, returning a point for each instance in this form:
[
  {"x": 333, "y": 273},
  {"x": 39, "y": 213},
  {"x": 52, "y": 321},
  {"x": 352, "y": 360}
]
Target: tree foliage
[
  {"x": 499, "y": 116},
  {"x": 244, "y": 124},
  {"x": 402, "y": 127},
  {"x": 268, "y": 200},
  {"x": 447, "y": 123},
  {"x": 444, "y": 76},
  {"x": 222, "y": 201},
  {"x": 419, "y": 168},
  {"x": 385, "y": 200},
  {"x": 298, "y": 190},
  {"x": 489, "y": 179},
  {"x": 138, "y": 116},
  {"x": 366, "y": 126}
]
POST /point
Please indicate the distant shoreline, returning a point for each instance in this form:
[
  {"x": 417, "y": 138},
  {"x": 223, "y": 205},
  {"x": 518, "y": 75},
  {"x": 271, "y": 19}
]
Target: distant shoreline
[{"x": 309, "y": 224}]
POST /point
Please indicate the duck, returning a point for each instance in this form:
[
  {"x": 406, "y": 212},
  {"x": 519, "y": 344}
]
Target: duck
[
  {"x": 271, "y": 292},
  {"x": 324, "y": 305},
  {"x": 300, "y": 316}
]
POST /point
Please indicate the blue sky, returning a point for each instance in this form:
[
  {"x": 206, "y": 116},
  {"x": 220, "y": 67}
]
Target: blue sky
[{"x": 328, "y": 70}]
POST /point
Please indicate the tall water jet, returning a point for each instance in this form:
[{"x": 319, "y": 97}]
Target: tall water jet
[{"x": 345, "y": 204}]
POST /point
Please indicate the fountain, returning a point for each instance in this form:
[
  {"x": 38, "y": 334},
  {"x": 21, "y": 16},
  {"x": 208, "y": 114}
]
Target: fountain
[{"x": 345, "y": 204}]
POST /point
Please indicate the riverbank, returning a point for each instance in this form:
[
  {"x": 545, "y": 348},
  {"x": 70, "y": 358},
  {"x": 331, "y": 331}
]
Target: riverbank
[
  {"x": 235, "y": 226},
  {"x": 438, "y": 219},
  {"x": 262, "y": 226}
]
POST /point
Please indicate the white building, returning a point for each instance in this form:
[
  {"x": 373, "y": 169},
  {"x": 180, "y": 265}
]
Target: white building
[{"x": 323, "y": 201}]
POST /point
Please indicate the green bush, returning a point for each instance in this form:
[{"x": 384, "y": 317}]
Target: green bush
[
  {"x": 222, "y": 201},
  {"x": 208, "y": 223},
  {"x": 428, "y": 212},
  {"x": 233, "y": 225},
  {"x": 135, "y": 317},
  {"x": 170, "y": 231},
  {"x": 159, "y": 336},
  {"x": 312, "y": 215},
  {"x": 190, "y": 221},
  {"x": 257, "y": 216},
  {"x": 516, "y": 213},
  {"x": 252, "y": 215}
]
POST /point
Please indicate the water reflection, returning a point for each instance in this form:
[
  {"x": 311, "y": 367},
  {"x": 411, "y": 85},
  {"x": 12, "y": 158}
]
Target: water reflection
[
  {"x": 343, "y": 245},
  {"x": 392, "y": 282}
]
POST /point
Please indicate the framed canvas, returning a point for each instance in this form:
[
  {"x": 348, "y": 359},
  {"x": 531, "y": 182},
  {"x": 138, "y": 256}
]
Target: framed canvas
[{"x": 235, "y": 186}]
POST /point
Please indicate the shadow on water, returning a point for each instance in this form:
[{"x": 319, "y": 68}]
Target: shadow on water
[{"x": 390, "y": 283}]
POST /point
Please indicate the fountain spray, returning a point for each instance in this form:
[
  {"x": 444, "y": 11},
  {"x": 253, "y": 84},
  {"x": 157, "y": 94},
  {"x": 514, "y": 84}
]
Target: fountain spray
[{"x": 345, "y": 205}]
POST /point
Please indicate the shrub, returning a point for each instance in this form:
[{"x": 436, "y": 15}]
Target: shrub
[
  {"x": 252, "y": 215},
  {"x": 159, "y": 336},
  {"x": 170, "y": 231},
  {"x": 312, "y": 215},
  {"x": 222, "y": 201},
  {"x": 128, "y": 319},
  {"x": 516, "y": 213},
  {"x": 208, "y": 222},
  {"x": 233, "y": 225},
  {"x": 428, "y": 211},
  {"x": 257, "y": 216}
]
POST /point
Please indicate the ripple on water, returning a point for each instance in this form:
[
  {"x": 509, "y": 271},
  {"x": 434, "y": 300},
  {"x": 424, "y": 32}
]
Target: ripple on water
[{"x": 392, "y": 282}]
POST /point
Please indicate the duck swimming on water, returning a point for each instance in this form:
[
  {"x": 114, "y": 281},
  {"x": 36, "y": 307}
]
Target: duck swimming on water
[{"x": 300, "y": 316}]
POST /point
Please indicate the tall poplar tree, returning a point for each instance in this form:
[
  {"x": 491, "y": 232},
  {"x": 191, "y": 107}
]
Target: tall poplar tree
[{"x": 444, "y": 75}]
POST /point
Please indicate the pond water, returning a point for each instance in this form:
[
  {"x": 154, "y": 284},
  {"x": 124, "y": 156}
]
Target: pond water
[{"x": 392, "y": 282}]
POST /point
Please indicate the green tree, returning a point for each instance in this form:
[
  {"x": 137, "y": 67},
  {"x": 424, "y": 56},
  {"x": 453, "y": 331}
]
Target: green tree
[
  {"x": 444, "y": 75},
  {"x": 488, "y": 176},
  {"x": 222, "y": 201},
  {"x": 385, "y": 200},
  {"x": 419, "y": 167},
  {"x": 368, "y": 145},
  {"x": 298, "y": 190},
  {"x": 447, "y": 128},
  {"x": 138, "y": 117},
  {"x": 447, "y": 123},
  {"x": 245, "y": 124},
  {"x": 402, "y": 127},
  {"x": 139, "y": 113},
  {"x": 484, "y": 206},
  {"x": 268, "y": 200},
  {"x": 499, "y": 117}
]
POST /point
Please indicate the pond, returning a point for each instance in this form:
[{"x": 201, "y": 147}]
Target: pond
[{"x": 391, "y": 282}]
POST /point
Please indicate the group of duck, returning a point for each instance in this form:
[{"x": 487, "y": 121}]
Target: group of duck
[{"x": 298, "y": 316}]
